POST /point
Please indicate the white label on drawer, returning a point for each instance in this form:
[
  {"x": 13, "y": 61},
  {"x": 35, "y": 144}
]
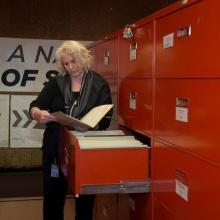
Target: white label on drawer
[
  {"x": 133, "y": 104},
  {"x": 132, "y": 100},
  {"x": 182, "y": 114},
  {"x": 106, "y": 60},
  {"x": 168, "y": 40},
  {"x": 106, "y": 57},
  {"x": 133, "y": 54},
  {"x": 182, "y": 190},
  {"x": 133, "y": 51}
]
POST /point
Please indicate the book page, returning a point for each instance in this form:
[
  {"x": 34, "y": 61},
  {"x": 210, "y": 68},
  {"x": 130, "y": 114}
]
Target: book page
[
  {"x": 93, "y": 117},
  {"x": 66, "y": 120},
  {"x": 90, "y": 120}
]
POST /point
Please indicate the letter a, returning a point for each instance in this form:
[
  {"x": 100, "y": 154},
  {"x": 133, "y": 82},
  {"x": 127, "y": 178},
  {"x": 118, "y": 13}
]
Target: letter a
[{"x": 20, "y": 55}]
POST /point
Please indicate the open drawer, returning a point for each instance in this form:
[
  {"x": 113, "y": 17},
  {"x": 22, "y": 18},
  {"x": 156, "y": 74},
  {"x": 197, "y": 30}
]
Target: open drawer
[{"x": 103, "y": 163}]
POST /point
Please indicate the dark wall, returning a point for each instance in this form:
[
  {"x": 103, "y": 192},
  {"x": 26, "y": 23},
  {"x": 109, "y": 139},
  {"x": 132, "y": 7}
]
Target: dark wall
[{"x": 71, "y": 19}]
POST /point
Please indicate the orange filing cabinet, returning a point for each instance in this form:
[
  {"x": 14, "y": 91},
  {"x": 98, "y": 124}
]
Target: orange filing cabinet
[
  {"x": 168, "y": 81},
  {"x": 185, "y": 184},
  {"x": 185, "y": 153},
  {"x": 96, "y": 170},
  {"x": 135, "y": 105},
  {"x": 105, "y": 54},
  {"x": 134, "y": 50}
]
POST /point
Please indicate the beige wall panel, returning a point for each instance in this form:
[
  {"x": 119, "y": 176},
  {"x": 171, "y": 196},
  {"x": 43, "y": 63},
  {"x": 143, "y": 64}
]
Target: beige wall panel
[
  {"x": 25, "y": 133},
  {"x": 4, "y": 120}
]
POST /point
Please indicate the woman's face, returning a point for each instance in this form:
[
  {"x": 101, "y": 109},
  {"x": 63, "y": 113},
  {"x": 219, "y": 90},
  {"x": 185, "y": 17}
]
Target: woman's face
[{"x": 70, "y": 65}]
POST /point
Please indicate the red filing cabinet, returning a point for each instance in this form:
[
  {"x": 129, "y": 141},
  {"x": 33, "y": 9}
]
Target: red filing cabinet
[
  {"x": 140, "y": 206},
  {"x": 105, "y": 53},
  {"x": 160, "y": 211},
  {"x": 183, "y": 181},
  {"x": 104, "y": 170},
  {"x": 136, "y": 53},
  {"x": 187, "y": 41},
  {"x": 106, "y": 207},
  {"x": 92, "y": 49},
  {"x": 134, "y": 110},
  {"x": 123, "y": 206},
  {"x": 185, "y": 161},
  {"x": 169, "y": 71},
  {"x": 113, "y": 84},
  {"x": 186, "y": 115},
  {"x": 135, "y": 105}
]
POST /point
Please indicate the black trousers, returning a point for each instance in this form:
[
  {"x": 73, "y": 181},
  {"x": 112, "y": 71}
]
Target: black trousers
[
  {"x": 84, "y": 207},
  {"x": 54, "y": 192}
]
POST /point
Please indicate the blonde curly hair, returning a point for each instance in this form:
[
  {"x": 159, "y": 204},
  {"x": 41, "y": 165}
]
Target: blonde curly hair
[{"x": 77, "y": 51}]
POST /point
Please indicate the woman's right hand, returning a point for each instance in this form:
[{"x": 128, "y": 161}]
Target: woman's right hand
[{"x": 41, "y": 116}]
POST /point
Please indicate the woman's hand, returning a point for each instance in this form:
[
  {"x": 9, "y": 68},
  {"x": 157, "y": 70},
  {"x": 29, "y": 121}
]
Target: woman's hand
[{"x": 41, "y": 116}]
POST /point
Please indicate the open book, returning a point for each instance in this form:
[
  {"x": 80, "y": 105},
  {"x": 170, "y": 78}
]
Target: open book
[{"x": 90, "y": 120}]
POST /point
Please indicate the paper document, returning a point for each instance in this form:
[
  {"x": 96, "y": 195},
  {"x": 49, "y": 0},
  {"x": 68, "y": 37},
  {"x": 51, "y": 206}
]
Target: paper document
[
  {"x": 99, "y": 133},
  {"x": 109, "y": 142},
  {"x": 90, "y": 120}
]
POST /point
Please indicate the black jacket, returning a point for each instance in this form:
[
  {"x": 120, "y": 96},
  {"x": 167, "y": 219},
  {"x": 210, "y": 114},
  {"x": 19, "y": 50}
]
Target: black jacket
[{"x": 56, "y": 96}]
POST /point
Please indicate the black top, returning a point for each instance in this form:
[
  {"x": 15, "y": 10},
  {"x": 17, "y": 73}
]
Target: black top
[
  {"x": 75, "y": 95},
  {"x": 57, "y": 96}
]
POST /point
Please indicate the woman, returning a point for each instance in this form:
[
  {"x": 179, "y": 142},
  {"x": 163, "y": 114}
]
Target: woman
[{"x": 75, "y": 91}]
